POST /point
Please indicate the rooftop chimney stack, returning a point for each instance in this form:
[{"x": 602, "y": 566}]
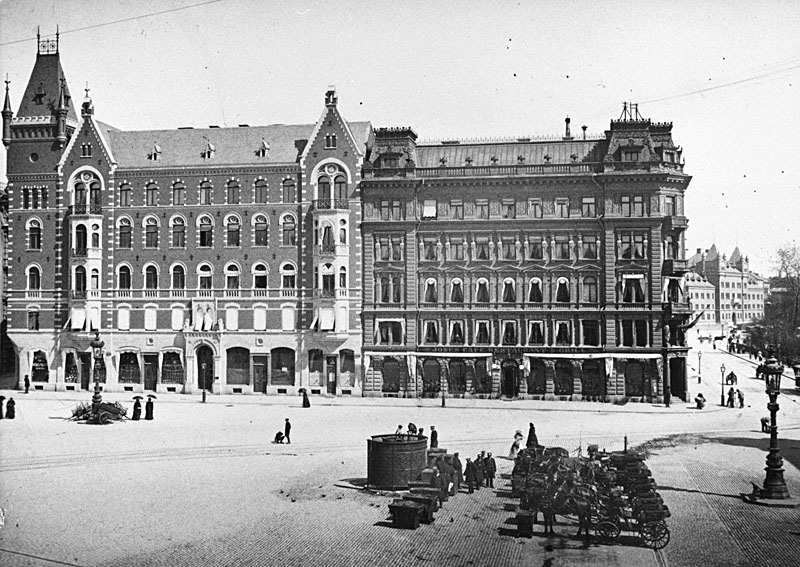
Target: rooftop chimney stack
[
  {"x": 584, "y": 130},
  {"x": 566, "y": 129}
]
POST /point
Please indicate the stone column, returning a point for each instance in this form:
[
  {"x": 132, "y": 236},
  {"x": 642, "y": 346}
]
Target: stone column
[
  {"x": 577, "y": 383},
  {"x": 444, "y": 373},
  {"x": 190, "y": 379},
  {"x": 523, "y": 382},
  {"x": 470, "y": 374}
]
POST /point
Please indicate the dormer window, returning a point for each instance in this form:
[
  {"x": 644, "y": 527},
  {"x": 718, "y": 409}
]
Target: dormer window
[
  {"x": 330, "y": 141},
  {"x": 669, "y": 157},
  {"x": 209, "y": 150},
  {"x": 263, "y": 150},
  {"x": 630, "y": 155},
  {"x": 86, "y": 150},
  {"x": 155, "y": 153}
]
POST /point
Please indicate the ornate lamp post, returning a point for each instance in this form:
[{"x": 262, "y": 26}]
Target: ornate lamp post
[
  {"x": 699, "y": 367},
  {"x": 97, "y": 354},
  {"x": 722, "y": 385},
  {"x": 774, "y": 484}
]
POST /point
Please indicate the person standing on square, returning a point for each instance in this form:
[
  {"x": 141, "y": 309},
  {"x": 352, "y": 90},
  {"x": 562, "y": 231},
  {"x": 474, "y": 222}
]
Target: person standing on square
[
  {"x": 434, "y": 437},
  {"x": 287, "y": 429}
]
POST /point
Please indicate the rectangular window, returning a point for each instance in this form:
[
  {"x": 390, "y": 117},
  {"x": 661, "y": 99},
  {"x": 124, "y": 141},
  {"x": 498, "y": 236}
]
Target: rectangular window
[
  {"x": 123, "y": 319},
  {"x": 625, "y": 202},
  {"x": 178, "y": 195},
  {"x": 509, "y": 332},
  {"x": 457, "y": 249},
  {"x": 429, "y": 209},
  {"x": 287, "y": 319},
  {"x": 630, "y": 155},
  {"x": 33, "y": 320},
  {"x": 386, "y": 210},
  {"x": 562, "y": 248},
  {"x": 588, "y": 207},
  {"x": 509, "y": 251},
  {"x": 457, "y": 210},
  {"x": 431, "y": 336},
  {"x": 397, "y": 248},
  {"x": 634, "y": 332},
  {"x": 430, "y": 250},
  {"x": 177, "y": 318},
  {"x": 150, "y": 318},
  {"x": 591, "y": 333},
  {"x": 481, "y": 249},
  {"x": 535, "y": 208},
  {"x": 482, "y": 209},
  {"x": 482, "y": 333},
  {"x": 26, "y": 198},
  {"x": 232, "y": 319},
  {"x": 536, "y": 333},
  {"x": 383, "y": 245},
  {"x": 632, "y": 290},
  {"x": 260, "y": 318},
  {"x": 152, "y": 196},
  {"x": 125, "y": 196},
  {"x": 508, "y": 209},
  {"x": 589, "y": 250},
  {"x": 669, "y": 205},
  {"x": 638, "y": 206},
  {"x": 390, "y": 333},
  {"x": 536, "y": 249},
  {"x": 562, "y": 208}
]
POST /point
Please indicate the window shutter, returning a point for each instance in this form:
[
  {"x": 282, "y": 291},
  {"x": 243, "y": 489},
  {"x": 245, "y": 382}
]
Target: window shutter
[
  {"x": 177, "y": 319},
  {"x": 123, "y": 319},
  {"x": 260, "y": 319},
  {"x": 232, "y": 319},
  {"x": 150, "y": 319}
]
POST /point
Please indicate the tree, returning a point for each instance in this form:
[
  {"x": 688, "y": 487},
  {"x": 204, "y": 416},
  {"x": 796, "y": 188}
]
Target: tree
[{"x": 781, "y": 323}]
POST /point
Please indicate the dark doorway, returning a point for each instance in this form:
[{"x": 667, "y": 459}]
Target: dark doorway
[
  {"x": 457, "y": 379},
  {"x": 677, "y": 377},
  {"x": 150, "y": 371},
  {"x": 331, "y": 363},
  {"x": 260, "y": 366},
  {"x": 509, "y": 384},
  {"x": 391, "y": 376},
  {"x": 564, "y": 384},
  {"x": 40, "y": 372},
  {"x": 537, "y": 381},
  {"x": 282, "y": 371},
  {"x": 86, "y": 369},
  {"x": 634, "y": 379},
  {"x": 593, "y": 378},
  {"x": 205, "y": 367},
  {"x": 431, "y": 377}
]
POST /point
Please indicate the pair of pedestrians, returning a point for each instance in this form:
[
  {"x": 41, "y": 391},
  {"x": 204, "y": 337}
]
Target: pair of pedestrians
[
  {"x": 735, "y": 394},
  {"x": 285, "y": 435}
]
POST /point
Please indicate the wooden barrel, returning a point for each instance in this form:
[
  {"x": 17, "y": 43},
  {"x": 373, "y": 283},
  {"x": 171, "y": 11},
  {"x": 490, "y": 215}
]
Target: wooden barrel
[{"x": 395, "y": 460}]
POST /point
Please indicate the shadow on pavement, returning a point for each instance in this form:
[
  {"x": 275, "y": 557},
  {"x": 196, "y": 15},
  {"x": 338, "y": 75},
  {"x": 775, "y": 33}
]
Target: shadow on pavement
[
  {"x": 737, "y": 496},
  {"x": 790, "y": 448}
]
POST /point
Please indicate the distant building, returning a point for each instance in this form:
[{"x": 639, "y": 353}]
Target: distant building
[
  {"x": 739, "y": 292},
  {"x": 702, "y": 297}
]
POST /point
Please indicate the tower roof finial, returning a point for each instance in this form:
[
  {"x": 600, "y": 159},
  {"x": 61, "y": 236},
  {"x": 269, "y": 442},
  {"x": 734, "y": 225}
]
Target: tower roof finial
[{"x": 7, "y": 102}]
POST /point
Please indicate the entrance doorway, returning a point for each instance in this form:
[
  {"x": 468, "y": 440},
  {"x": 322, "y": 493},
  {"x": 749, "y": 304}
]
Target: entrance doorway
[
  {"x": 509, "y": 384},
  {"x": 150, "y": 371},
  {"x": 86, "y": 369},
  {"x": 205, "y": 367},
  {"x": 677, "y": 377},
  {"x": 330, "y": 372}
]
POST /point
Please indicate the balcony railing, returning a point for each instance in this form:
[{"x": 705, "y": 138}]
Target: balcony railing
[
  {"x": 33, "y": 293},
  {"x": 78, "y": 294},
  {"x": 486, "y": 170},
  {"x": 673, "y": 266},
  {"x": 84, "y": 209},
  {"x": 79, "y": 252},
  {"x": 328, "y": 204}
]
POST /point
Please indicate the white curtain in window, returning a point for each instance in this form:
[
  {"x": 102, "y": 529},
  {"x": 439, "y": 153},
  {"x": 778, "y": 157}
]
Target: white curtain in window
[
  {"x": 123, "y": 319},
  {"x": 326, "y": 319},
  {"x": 150, "y": 318},
  {"x": 429, "y": 208},
  {"x": 78, "y": 318},
  {"x": 232, "y": 319},
  {"x": 260, "y": 318},
  {"x": 177, "y": 319}
]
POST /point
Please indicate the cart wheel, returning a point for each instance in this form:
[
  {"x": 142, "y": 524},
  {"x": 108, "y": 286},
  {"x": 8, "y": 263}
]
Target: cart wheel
[
  {"x": 608, "y": 530},
  {"x": 655, "y": 535}
]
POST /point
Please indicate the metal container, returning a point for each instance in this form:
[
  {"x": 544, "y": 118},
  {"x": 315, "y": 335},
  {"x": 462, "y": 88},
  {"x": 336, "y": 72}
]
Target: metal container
[{"x": 394, "y": 460}]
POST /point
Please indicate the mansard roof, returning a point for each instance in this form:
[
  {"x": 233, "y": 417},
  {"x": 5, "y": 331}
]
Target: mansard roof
[
  {"x": 41, "y": 94},
  {"x": 186, "y": 147}
]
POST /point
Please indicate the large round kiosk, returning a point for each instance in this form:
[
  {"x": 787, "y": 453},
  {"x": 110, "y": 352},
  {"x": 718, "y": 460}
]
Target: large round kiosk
[{"x": 395, "y": 460}]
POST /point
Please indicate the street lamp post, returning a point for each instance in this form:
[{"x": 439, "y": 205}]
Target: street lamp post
[
  {"x": 699, "y": 367},
  {"x": 774, "y": 484},
  {"x": 97, "y": 354},
  {"x": 722, "y": 385},
  {"x": 204, "y": 370}
]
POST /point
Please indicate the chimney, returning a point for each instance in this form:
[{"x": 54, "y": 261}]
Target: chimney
[
  {"x": 330, "y": 96},
  {"x": 566, "y": 129},
  {"x": 584, "y": 131}
]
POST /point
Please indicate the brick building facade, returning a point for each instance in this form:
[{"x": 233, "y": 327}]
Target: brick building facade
[{"x": 237, "y": 259}]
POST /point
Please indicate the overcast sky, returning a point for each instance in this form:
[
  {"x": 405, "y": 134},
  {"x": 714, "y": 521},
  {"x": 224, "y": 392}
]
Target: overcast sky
[{"x": 462, "y": 69}]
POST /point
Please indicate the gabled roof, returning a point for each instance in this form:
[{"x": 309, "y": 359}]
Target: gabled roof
[
  {"x": 45, "y": 78},
  {"x": 232, "y": 146},
  {"x": 508, "y": 152}
]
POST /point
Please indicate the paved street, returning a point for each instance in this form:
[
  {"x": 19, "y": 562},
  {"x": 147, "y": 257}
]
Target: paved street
[{"x": 202, "y": 485}]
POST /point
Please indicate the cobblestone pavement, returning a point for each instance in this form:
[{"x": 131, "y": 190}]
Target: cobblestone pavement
[{"x": 201, "y": 485}]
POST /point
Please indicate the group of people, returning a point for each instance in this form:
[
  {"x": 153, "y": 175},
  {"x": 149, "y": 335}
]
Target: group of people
[
  {"x": 735, "y": 394},
  {"x": 480, "y": 472},
  {"x": 531, "y": 443},
  {"x": 137, "y": 408},
  {"x": 285, "y": 435},
  {"x": 419, "y": 433},
  {"x": 10, "y": 411}
]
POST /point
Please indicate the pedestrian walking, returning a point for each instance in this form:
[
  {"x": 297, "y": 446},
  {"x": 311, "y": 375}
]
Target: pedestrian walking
[
  {"x": 470, "y": 475},
  {"x": 2, "y": 399},
  {"x": 491, "y": 469},
  {"x": 479, "y": 473},
  {"x": 459, "y": 471},
  {"x": 137, "y": 409},
  {"x": 740, "y": 396},
  {"x": 532, "y": 441},
  {"x": 11, "y": 412},
  {"x": 306, "y": 401},
  {"x": 148, "y": 408},
  {"x": 731, "y": 395},
  {"x": 434, "y": 437},
  {"x": 287, "y": 429},
  {"x": 27, "y": 384}
]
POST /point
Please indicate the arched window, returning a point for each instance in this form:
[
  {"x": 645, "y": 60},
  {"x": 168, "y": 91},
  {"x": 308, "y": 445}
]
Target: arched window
[
  {"x": 178, "y": 233},
  {"x": 80, "y": 196},
  {"x": 535, "y": 291},
  {"x": 95, "y": 279},
  {"x": 289, "y": 193},
  {"x": 124, "y": 230},
  {"x": 231, "y": 276},
  {"x": 233, "y": 190},
  {"x": 204, "y": 276},
  {"x": 178, "y": 277},
  {"x": 509, "y": 292},
  {"x": 457, "y": 291},
  {"x": 94, "y": 196},
  {"x": 151, "y": 195},
  {"x": 328, "y": 243},
  {"x": 80, "y": 279},
  {"x": 342, "y": 278},
  {"x": 288, "y": 276},
  {"x": 482, "y": 291},
  {"x": 324, "y": 192},
  {"x": 261, "y": 227},
  {"x": 342, "y": 231},
  {"x": 562, "y": 290},
  {"x": 206, "y": 227},
  {"x": 125, "y": 195},
  {"x": 233, "y": 231},
  {"x": 151, "y": 232},
  {"x": 80, "y": 239},
  {"x": 34, "y": 235},
  {"x": 327, "y": 280},
  {"x": 205, "y": 193},
  {"x": 262, "y": 191},
  {"x": 260, "y": 276},
  {"x": 289, "y": 228},
  {"x": 590, "y": 289},
  {"x": 34, "y": 278},
  {"x": 151, "y": 277},
  {"x": 430, "y": 291},
  {"x": 95, "y": 236},
  {"x": 340, "y": 191},
  {"x": 124, "y": 277},
  {"x": 178, "y": 194}
]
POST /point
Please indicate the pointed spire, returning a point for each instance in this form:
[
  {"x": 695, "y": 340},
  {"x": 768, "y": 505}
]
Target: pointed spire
[{"x": 7, "y": 115}]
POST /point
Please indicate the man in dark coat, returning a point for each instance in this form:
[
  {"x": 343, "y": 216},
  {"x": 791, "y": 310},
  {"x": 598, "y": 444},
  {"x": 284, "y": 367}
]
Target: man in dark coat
[
  {"x": 27, "y": 384},
  {"x": 740, "y": 395},
  {"x": 491, "y": 469},
  {"x": 459, "y": 470},
  {"x": 10, "y": 411},
  {"x": 148, "y": 409},
  {"x": 287, "y": 429},
  {"x": 2, "y": 399},
  {"x": 137, "y": 410},
  {"x": 731, "y": 395},
  {"x": 306, "y": 401},
  {"x": 434, "y": 437},
  {"x": 478, "y": 464},
  {"x": 470, "y": 475},
  {"x": 532, "y": 440}
]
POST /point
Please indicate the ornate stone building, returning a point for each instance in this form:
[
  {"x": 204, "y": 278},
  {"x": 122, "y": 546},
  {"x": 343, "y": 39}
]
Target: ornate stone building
[
  {"x": 545, "y": 268},
  {"x": 225, "y": 258}
]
